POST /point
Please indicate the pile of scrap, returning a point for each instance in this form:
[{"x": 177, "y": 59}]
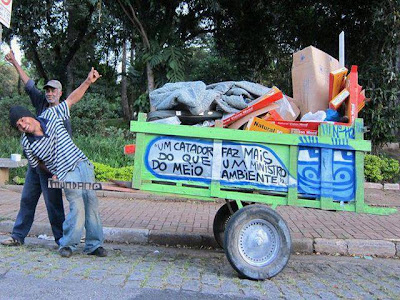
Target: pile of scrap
[{"x": 322, "y": 92}]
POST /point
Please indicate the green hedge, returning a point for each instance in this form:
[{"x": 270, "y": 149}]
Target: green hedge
[
  {"x": 105, "y": 173},
  {"x": 381, "y": 169},
  {"x": 102, "y": 173},
  {"x": 108, "y": 150}
]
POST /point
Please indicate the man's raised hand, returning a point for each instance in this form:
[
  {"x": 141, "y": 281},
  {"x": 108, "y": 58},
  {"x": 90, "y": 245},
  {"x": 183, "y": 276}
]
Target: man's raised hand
[
  {"x": 93, "y": 75},
  {"x": 10, "y": 57},
  {"x": 78, "y": 93}
]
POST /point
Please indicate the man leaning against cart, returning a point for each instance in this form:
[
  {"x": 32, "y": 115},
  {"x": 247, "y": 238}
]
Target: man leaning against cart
[
  {"x": 46, "y": 144},
  {"x": 35, "y": 179}
]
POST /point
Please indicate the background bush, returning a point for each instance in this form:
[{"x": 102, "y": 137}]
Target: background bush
[
  {"x": 108, "y": 150},
  {"x": 6, "y": 130},
  {"x": 89, "y": 114},
  {"x": 105, "y": 173},
  {"x": 381, "y": 169}
]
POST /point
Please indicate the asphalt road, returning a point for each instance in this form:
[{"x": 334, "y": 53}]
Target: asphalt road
[{"x": 36, "y": 271}]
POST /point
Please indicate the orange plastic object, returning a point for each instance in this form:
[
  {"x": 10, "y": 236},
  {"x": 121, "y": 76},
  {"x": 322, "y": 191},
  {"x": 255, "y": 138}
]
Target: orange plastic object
[
  {"x": 129, "y": 149},
  {"x": 354, "y": 89}
]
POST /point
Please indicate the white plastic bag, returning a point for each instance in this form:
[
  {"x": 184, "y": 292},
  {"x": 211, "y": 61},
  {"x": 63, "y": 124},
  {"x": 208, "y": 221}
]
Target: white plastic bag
[{"x": 317, "y": 116}]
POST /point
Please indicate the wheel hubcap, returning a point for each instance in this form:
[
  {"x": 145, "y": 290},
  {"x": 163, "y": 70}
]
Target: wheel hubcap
[{"x": 258, "y": 242}]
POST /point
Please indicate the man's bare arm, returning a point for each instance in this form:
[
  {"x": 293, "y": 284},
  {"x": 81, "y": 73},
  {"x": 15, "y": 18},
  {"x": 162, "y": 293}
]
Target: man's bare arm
[
  {"x": 11, "y": 59},
  {"x": 78, "y": 93},
  {"x": 43, "y": 167}
]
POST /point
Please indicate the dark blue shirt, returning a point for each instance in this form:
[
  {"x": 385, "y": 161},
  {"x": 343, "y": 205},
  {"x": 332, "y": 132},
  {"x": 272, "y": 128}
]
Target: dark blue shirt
[{"x": 40, "y": 103}]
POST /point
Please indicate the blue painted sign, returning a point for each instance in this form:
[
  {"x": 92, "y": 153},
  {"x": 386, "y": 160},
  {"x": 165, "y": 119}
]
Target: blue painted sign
[{"x": 228, "y": 162}]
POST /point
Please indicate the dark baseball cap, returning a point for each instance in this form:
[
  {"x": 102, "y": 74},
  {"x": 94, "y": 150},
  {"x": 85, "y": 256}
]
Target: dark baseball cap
[
  {"x": 17, "y": 112},
  {"x": 55, "y": 84}
]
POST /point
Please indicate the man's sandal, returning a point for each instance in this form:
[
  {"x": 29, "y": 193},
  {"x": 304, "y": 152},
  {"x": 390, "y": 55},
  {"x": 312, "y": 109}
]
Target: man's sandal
[{"x": 11, "y": 242}]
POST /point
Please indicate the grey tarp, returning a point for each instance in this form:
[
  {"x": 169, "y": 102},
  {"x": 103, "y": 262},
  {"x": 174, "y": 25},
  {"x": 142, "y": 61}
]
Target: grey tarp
[{"x": 196, "y": 97}]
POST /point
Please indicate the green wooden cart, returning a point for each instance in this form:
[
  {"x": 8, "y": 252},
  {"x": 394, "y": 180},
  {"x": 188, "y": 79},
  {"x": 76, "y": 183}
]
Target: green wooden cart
[{"x": 254, "y": 172}]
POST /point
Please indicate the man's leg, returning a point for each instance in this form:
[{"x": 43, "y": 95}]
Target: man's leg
[
  {"x": 75, "y": 219},
  {"x": 54, "y": 205},
  {"x": 94, "y": 229},
  {"x": 29, "y": 199}
]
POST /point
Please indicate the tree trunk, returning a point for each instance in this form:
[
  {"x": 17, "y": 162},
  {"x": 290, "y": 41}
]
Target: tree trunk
[
  {"x": 398, "y": 98},
  {"x": 131, "y": 14},
  {"x": 150, "y": 78},
  {"x": 70, "y": 80},
  {"x": 132, "y": 60},
  {"x": 398, "y": 58},
  {"x": 19, "y": 87},
  {"x": 124, "y": 95}
]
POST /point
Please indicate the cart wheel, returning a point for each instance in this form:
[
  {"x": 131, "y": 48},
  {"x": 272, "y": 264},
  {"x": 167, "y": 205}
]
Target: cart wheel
[
  {"x": 221, "y": 218},
  {"x": 258, "y": 242}
]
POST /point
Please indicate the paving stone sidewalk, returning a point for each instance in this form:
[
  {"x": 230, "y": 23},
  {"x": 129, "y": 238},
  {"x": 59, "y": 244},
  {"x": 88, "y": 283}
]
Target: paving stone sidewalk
[
  {"x": 191, "y": 221},
  {"x": 36, "y": 271}
]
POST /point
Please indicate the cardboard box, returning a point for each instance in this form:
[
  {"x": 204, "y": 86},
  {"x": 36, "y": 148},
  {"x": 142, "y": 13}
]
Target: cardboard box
[
  {"x": 339, "y": 99},
  {"x": 239, "y": 123},
  {"x": 337, "y": 82},
  {"x": 257, "y": 124},
  {"x": 299, "y": 127},
  {"x": 355, "y": 90},
  {"x": 304, "y": 131},
  {"x": 295, "y": 106},
  {"x": 310, "y": 77},
  {"x": 272, "y": 115}
]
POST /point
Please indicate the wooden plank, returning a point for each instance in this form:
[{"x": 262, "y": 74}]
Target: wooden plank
[
  {"x": 9, "y": 163},
  {"x": 4, "y": 175},
  {"x": 139, "y": 153},
  {"x": 292, "y": 191},
  {"x": 216, "y": 169},
  {"x": 186, "y": 191},
  {"x": 246, "y": 136},
  {"x": 326, "y": 178},
  {"x": 359, "y": 184}
]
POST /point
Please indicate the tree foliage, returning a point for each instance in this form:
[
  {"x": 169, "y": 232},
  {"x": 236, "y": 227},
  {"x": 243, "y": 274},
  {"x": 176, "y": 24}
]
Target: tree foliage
[
  {"x": 62, "y": 39},
  {"x": 382, "y": 77},
  {"x": 261, "y": 37},
  {"x": 8, "y": 78},
  {"x": 212, "y": 40},
  {"x": 51, "y": 33}
]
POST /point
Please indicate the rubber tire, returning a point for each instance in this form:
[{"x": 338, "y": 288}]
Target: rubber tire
[
  {"x": 220, "y": 220},
  {"x": 232, "y": 234}
]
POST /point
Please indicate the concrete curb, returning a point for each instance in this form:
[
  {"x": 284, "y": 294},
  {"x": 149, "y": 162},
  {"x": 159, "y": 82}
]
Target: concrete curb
[{"x": 347, "y": 247}]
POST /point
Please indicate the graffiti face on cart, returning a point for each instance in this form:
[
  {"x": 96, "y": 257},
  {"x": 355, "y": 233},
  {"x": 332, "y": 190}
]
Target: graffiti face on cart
[
  {"x": 228, "y": 162},
  {"x": 338, "y": 181}
]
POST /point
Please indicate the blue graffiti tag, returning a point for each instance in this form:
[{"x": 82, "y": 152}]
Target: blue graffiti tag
[{"x": 343, "y": 174}]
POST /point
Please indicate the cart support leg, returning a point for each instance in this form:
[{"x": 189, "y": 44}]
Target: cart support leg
[
  {"x": 292, "y": 191},
  {"x": 359, "y": 189},
  {"x": 239, "y": 204}
]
